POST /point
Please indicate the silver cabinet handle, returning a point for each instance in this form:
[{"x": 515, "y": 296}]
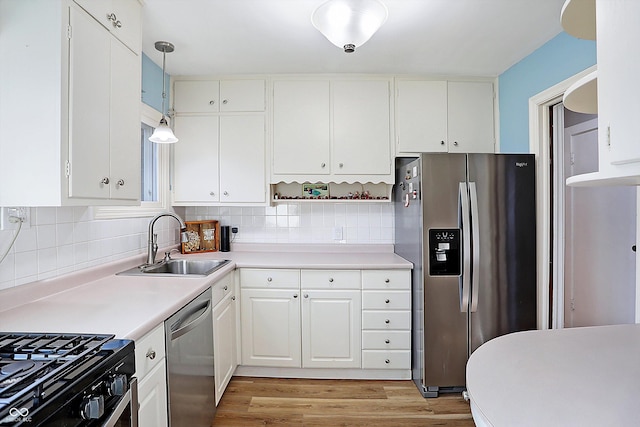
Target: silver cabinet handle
[
  {"x": 387, "y": 341},
  {"x": 387, "y": 321},
  {"x": 306, "y": 295},
  {"x": 269, "y": 279},
  {"x": 120, "y": 183},
  {"x": 151, "y": 354},
  {"x": 225, "y": 288},
  {"x": 330, "y": 279},
  {"x": 111, "y": 17},
  {"x": 105, "y": 180},
  {"x": 225, "y": 101},
  {"x": 455, "y": 143},
  {"x": 341, "y": 164},
  {"x": 212, "y": 193},
  {"x": 387, "y": 300},
  {"x": 387, "y": 361},
  {"x": 441, "y": 142},
  {"x": 295, "y": 295},
  {"x": 386, "y": 280},
  {"x": 233, "y": 298},
  {"x": 226, "y": 193},
  {"x": 212, "y": 102},
  {"x": 117, "y": 24},
  {"x": 323, "y": 164}
]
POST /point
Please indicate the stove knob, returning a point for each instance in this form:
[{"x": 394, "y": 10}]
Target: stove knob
[
  {"x": 117, "y": 385},
  {"x": 92, "y": 407}
]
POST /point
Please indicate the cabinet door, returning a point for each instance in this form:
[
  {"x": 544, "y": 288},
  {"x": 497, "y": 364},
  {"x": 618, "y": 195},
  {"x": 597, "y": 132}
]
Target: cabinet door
[
  {"x": 152, "y": 397},
  {"x": 361, "y": 138},
  {"x": 271, "y": 327},
  {"x": 243, "y": 157},
  {"x": 470, "y": 111},
  {"x": 331, "y": 329},
  {"x": 224, "y": 343},
  {"x": 242, "y": 95},
  {"x": 196, "y": 96},
  {"x": 421, "y": 116},
  {"x": 618, "y": 89},
  {"x": 196, "y": 160},
  {"x": 89, "y": 94},
  {"x": 301, "y": 127},
  {"x": 125, "y": 123}
]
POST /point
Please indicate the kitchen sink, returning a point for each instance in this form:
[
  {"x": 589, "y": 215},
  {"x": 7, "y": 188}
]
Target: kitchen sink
[{"x": 178, "y": 267}]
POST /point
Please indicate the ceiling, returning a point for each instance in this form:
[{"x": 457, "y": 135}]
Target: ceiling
[{"x": 436, "y": 37}]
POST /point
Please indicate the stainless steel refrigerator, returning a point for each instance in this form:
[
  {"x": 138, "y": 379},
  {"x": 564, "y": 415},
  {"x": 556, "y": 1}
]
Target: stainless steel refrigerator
[{"x": 468, "y": 224}]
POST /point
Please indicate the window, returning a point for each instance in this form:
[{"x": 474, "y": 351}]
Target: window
[{"x": 154, "y": 182}]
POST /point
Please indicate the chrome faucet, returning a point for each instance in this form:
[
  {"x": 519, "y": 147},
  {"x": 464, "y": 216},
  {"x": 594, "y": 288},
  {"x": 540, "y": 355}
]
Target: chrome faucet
[{"x": 152, "y": 248}]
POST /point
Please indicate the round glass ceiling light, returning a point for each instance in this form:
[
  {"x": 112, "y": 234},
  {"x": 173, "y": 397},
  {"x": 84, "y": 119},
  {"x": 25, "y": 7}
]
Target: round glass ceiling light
[{"x": 349, "y": 23}]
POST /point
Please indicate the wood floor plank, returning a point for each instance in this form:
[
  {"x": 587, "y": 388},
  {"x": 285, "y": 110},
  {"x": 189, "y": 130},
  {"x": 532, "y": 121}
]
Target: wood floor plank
[{"x": 250, "y": 401}]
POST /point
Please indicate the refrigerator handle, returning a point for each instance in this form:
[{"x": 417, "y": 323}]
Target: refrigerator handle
[
  {"x": 475, "y": 240},
  {"x": 465, "y": 225}
]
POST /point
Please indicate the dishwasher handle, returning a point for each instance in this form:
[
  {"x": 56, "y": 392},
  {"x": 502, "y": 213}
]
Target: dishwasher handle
[{"x": 178, "y": 330}]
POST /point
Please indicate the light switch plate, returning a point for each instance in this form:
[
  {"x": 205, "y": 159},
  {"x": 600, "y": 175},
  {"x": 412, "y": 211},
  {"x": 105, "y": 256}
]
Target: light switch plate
[{"x": 337, "y": 233}]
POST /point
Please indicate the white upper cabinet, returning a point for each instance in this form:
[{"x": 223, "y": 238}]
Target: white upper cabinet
[
  {"x": 83, "y": 85},
  {"x": 121, "y": 17},
  {"x": 332, "y": 130},
  {"x": 221, "y": 155},
  {"x": 440, "y": 116},
  {"x": 212, "y": 96}
]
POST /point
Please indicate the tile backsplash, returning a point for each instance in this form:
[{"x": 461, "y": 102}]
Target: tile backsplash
[
  {"x": 66, "y": 239},
  {"x": 306, "y": 222}
]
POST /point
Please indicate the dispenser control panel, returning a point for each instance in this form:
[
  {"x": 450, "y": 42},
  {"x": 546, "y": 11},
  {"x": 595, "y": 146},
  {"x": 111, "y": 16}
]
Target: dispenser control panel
[{"x": 444, "y": 252}]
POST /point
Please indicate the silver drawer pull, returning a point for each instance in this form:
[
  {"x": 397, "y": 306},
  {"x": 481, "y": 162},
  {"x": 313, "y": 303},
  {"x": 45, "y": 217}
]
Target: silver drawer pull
[
  {"x": 295, "y": 295},
  {"x": 330, "y": 279},
  {"x": 387, "y": 361},
  {"x": 386, "y": 280},
  {"x": 225, "y": 288},
  {"x": 233, "y": 298},
  {"x": 306, "y": 295},
  {"x": 269, "y": 279},
  {"x": 387, "y": 341},
  {"x": 151, "y": 354},
  {"x": 387, "y": 300},
  {"x": 387, "y": 321}
]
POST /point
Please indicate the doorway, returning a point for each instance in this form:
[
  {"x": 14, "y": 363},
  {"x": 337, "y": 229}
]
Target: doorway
[{"x": 594, "y": 229}]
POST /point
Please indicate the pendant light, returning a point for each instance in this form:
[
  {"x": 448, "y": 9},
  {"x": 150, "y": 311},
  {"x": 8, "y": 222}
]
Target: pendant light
[
  {"x": 349, "y": 23},
  {"x": 163, "y": 133}
]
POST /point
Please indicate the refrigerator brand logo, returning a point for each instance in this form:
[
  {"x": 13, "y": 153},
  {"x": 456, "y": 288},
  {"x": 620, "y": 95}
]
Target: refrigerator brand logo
[{"x": 522, "y": 164}]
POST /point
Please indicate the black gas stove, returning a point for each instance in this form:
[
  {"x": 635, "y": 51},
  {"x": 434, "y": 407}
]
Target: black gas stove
[{"x": 66, "y": 380}]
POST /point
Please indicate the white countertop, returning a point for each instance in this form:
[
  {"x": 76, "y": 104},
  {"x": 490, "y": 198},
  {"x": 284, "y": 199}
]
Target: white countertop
[
  {"x": 97, "y": 301},
  {"x": 578, "y": 377}
]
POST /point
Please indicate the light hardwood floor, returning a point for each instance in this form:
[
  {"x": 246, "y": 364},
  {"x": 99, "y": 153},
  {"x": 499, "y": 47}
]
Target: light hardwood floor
[{"x": 301, "y": 402}]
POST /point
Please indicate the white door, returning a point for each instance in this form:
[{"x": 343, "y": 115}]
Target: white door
[
  {"x": 600, "y": 229},
  {"x": 331, "y": 329}
]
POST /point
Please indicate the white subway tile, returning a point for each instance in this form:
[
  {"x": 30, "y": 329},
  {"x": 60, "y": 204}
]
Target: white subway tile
[
  {"x": 27, "y": 240},
  {"x": 45, "y": 216},
  {"x": 46, "y": 236},
  {"x": 64, "y": 234},
  {"x": 47, "y": 260},
  {"x": 26, "y": 264}
]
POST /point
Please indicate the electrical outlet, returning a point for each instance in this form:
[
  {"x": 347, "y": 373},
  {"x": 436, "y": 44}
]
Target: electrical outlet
[
  {"x": 9, "y": 218},
  {"x": 337, "y": 233}
]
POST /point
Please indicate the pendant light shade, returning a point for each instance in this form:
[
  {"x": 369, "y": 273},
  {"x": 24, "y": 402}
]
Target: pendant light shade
[
  {"x": 349, "y": 23},
  {"x": 163, "y": 133}
]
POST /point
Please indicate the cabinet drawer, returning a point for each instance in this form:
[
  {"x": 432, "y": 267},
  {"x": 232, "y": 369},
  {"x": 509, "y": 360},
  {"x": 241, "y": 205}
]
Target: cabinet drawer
[
  {"x": 221, "y": 288},
  {"x": 259, "y": 278},
  {"x": 149, "y": 351},
  {"x": 393, "y": 320},
  {"x": 386, "y": 340},
  {"x": 386, "y": 300},
  {"x": 386, "y": 279},
  {"x": 381, "y": 359},
  {"x": 327, "y": 279}
]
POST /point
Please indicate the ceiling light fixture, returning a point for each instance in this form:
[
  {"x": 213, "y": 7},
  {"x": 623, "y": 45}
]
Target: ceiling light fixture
[
  {"x": 163, "y": 133},
  {"x": 349, "y": 23}
]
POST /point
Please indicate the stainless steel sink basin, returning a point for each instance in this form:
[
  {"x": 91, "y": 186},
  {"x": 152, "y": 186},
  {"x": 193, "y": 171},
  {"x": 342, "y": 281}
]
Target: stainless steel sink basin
[{"x": 178, "y": 267}]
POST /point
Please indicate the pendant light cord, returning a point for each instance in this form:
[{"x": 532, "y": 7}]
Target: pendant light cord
[
  {"x": 164, "y": 93},
  {"x": 15, "y": 236}
]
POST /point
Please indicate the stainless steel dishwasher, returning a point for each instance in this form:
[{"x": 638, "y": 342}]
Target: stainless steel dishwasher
[{"x": 190, "y": 375}]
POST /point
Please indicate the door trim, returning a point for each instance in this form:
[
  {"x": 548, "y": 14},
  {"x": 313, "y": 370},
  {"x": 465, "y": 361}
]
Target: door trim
[{"x": 539, "y": 120}]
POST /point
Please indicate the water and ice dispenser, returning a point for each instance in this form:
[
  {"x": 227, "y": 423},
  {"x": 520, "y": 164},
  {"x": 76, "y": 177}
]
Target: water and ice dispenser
[{"x": 444, "y": 252}]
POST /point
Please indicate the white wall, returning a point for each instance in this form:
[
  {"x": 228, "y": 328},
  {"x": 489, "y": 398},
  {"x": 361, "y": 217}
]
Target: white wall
[{"x": 62, "y": 240}]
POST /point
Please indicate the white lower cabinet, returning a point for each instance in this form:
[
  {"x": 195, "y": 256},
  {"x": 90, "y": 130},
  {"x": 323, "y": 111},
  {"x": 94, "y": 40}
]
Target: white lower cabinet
[
  {"x": 386, "y": 319},
  {"x": 151, "y": 370},
  {"x": 224, "y": 343},
  {"x": 331, "y": 319}
]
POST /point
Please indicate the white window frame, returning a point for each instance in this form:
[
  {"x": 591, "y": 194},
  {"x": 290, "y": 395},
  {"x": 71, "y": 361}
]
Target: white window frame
[{"x": 151, "y": 117}]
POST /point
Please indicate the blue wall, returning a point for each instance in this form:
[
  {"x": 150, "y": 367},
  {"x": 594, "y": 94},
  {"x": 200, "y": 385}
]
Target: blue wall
[
  {"x": 152, "y": 84},
  {"x": 560, "y": 58}
]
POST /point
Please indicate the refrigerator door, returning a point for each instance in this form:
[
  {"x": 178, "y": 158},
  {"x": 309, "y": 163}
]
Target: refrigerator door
[
  {"x": 503, "y": 297},
  {"x": 445, "y": 321}
]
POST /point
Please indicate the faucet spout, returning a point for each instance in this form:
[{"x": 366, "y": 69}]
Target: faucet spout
[{"x": 152, "y": 246}]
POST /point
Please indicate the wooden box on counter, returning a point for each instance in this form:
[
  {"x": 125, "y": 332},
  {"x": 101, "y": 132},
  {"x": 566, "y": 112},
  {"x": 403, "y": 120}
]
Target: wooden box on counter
[{"x": 203, "y": 236}]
